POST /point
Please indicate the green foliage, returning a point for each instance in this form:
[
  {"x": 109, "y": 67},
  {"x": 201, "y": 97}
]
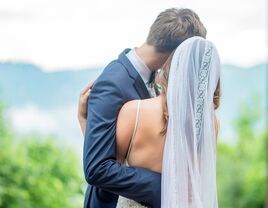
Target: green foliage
[
  {"x": 35, "y": 172},
  {"x": 241, "y": 166}
]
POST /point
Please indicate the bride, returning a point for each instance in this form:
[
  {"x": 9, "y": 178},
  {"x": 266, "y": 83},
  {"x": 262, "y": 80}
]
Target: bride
[{"x": 175, "y": 133}]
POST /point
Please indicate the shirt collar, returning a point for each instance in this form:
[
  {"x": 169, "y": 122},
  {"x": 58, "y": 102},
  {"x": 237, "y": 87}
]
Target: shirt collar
[{"x": 139, "y": 65}]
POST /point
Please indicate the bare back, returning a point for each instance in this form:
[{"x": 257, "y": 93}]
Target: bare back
[
  {"x": 138, "y": 133},
  {"x": 146, "y": 147}
]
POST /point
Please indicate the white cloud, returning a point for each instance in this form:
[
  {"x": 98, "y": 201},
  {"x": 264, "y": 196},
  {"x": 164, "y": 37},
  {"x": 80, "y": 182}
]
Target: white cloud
[
  {"x": 81, "y": 33},
  {"x": 31, "y": 118},
  {"x": 60, "y": 122}
]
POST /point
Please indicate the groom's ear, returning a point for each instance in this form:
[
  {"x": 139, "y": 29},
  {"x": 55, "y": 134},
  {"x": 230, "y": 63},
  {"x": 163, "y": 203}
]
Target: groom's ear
[{"x": 172, "y": 27}]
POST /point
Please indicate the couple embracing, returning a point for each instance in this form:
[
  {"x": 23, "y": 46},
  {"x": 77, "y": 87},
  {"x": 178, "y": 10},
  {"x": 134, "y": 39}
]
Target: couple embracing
[{"x": 149, "y": 121}]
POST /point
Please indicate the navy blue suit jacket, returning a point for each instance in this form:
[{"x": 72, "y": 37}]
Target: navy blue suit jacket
[{"x": 118, "y": 84}]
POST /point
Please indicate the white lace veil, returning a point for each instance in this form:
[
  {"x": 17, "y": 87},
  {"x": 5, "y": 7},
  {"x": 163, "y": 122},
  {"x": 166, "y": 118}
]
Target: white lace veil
[{"x": 189, "y": 160}]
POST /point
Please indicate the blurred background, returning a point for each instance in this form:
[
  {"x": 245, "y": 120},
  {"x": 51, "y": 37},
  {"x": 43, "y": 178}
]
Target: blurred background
[{"x": 51, "y": 49}]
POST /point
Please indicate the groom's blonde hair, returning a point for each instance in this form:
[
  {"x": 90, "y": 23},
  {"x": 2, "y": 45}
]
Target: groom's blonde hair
[{"x": 172, "y": 27}]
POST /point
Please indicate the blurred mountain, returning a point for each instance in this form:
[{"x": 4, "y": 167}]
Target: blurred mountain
[
  {"x": 241, "y": 85},
  {"x": 47, "y": 101},
  {"x": 23, "y": 84}
]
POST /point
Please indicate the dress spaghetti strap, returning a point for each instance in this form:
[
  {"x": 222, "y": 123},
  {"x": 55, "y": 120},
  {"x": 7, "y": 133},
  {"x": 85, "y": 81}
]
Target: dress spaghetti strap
[{"x": 135, "y": 130}]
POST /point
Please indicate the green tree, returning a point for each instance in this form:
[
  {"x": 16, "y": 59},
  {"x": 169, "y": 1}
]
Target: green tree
[
  {"x": 35, "y": 172},
  {"x": 241, "y": 166}
]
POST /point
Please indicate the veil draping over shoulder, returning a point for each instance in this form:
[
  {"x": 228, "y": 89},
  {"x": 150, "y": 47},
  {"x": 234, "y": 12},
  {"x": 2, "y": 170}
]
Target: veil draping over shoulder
[{"x": 189, "y": 160}]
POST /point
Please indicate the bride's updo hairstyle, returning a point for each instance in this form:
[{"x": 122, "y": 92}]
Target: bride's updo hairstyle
[{"x": 163, "y": 79}]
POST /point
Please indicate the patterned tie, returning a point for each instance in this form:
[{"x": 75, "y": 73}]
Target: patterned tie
[
  {"x": 151, "y": 90},
  {"x": 151, "y": 85}
]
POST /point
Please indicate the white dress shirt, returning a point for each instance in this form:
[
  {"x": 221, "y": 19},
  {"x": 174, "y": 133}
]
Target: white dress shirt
[{"x": 141, "y": 68}]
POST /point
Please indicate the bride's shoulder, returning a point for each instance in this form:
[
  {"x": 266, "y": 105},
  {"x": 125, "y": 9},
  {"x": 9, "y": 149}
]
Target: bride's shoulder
[
  {"x": 128, "y": 112},
  {"x": 125, "y": 127},
  {"x": 126, "y": 119},
  {"x": 130, "y": 108},
  {"x": 151, "y": 105}
]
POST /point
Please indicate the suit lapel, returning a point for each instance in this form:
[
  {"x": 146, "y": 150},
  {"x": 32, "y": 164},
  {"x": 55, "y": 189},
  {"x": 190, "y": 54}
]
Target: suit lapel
[
  {"x": 141, "y": 88},
  {"x": 138, "y": 82}
]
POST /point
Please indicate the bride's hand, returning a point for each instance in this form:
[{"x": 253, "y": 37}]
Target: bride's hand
[{"x": 82, "y": 106}]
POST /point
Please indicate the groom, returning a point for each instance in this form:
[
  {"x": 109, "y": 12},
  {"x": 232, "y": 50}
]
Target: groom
[{"x": 124, "y": 79}]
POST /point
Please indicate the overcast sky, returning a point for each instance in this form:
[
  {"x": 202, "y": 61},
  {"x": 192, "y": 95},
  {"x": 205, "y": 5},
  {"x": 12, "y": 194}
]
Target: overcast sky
[{"x": 69, "y": 34}]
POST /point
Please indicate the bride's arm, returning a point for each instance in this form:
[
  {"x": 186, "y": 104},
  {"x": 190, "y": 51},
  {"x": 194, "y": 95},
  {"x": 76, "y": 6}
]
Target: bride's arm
[{"x": 82, "y": 107}]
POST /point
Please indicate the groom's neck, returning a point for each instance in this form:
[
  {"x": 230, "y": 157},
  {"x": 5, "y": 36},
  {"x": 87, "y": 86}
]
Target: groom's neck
[{"x": 151, "y": 58}]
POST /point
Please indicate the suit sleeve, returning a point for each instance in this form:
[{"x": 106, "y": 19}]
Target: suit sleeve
[{"x": 100, "y": 166}]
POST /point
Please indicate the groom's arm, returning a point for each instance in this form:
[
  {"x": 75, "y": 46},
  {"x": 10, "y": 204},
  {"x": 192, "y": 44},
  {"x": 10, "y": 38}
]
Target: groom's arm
[{"x": 100, "y": 166}]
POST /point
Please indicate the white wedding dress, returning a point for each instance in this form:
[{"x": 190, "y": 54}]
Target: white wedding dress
[
  {"x": 127, "y": 203},
  {"x": 122, "y": 201}
]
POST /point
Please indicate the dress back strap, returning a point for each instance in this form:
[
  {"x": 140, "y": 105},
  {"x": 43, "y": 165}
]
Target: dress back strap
[{"x": 135, "y": 129}]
